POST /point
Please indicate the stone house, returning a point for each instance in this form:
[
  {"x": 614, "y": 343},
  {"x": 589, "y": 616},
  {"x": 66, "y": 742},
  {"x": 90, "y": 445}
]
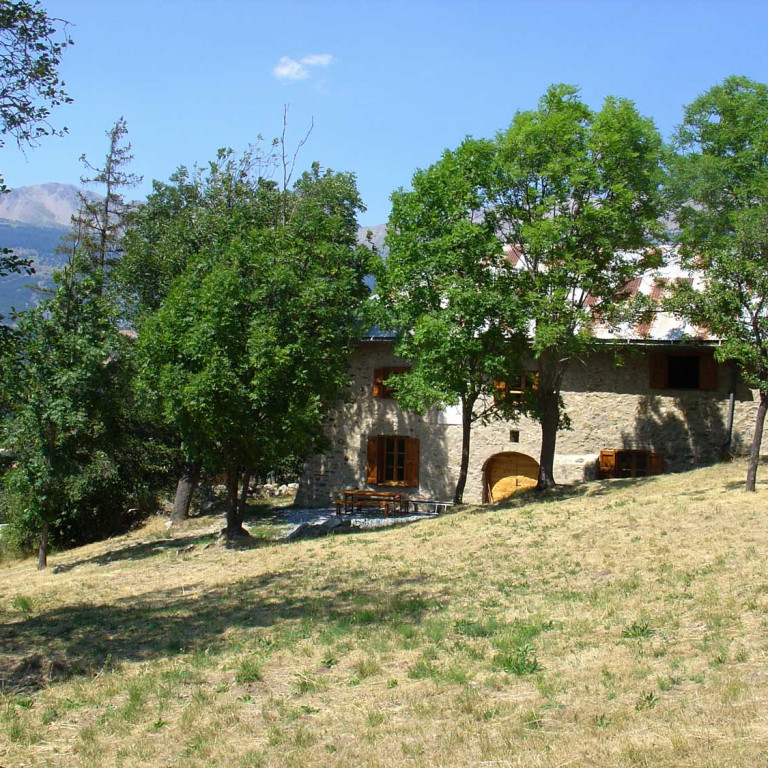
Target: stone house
[{"x": 651, "y": 399}]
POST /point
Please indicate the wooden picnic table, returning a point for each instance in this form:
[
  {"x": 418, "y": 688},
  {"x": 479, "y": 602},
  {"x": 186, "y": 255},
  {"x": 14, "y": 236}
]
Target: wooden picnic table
[{"x": 357, "y": 500}]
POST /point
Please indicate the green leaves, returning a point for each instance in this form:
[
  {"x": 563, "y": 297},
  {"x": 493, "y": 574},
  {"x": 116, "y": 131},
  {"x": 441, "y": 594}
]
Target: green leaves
[
  {"x": 249, "y": 308},
  {"x": 718, "y": 189},
  {"x": 573, "y": 194}
]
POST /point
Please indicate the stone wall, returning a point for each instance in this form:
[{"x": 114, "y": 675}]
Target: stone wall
[{"x": 607, "y": 398}]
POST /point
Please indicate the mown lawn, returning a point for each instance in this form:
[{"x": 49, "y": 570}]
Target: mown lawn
[{"x": 619, "y": 624}]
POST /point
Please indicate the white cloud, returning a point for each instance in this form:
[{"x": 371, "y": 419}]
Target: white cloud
[
  {"x": 317, "y": 60},
  {"x": 289, "y": 69}
]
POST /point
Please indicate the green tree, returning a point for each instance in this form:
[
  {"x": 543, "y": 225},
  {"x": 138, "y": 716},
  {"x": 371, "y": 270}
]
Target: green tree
[
  {"x": 718, "y": 190},
  {"x": 576, "y": 195},
  {"x": 83, "y": 456},
  {"x": 449, "y": 294},
  {"x": 249, "y": 344},
  {"x": 31, "y": 46},
  {"x": 202, "y": 210}
]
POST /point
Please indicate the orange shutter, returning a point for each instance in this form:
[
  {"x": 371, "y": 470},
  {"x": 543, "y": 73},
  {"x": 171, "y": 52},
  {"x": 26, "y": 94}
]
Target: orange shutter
[
  {"x": 499, "y": 391},
  {"x": 378, "y": 382},
  {"x": 372, "y": 463},
  {"x": 534, "y": 380},
  {"x": 607, "y": 464},
  {"x": 707, "y": 372},
  {"x": 412, "y": 462},
  {"x": 659, "y": 369},
  {"x": 655, "y": 463}
]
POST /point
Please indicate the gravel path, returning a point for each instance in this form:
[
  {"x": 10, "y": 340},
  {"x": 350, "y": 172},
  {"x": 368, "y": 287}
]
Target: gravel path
[{"x": 296, "y": 517}]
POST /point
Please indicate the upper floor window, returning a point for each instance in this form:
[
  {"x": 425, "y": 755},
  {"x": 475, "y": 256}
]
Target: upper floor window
[
  {"x": 684, "y": 370},
  {"x": 525, "y": 381},
  {"x": 380, "y": 376}
]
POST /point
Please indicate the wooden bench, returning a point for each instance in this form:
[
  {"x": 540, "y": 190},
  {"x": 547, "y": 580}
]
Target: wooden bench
[{"x": 429, "y": 505}]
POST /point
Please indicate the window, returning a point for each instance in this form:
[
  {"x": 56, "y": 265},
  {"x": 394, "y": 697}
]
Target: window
[
  {"x": 630, "y": 463},
  {"x": 526, "y": 381},
  {"x": 380, "y": 375},
  {"x": 684, "y": 370},
  {"x": 393, "y": 460}
]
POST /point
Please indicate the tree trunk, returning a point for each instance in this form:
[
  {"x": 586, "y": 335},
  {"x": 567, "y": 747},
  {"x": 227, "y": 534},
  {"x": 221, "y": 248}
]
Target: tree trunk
[
  {"x": 757, "y": 439},
  {"x": 42, "y": 551},
  {"x": 466, "y": 435},
  {"x": 550, "y": 416},
  {"x": 242, "y": 503},
  {"x": 726, "y": 448},
  {"x": 550, "y": 380},
  {"x": 185, "y": 490},
  {"x": 234, "y": 527}
]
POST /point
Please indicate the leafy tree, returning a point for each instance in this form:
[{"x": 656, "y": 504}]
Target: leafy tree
[
  {"x": 448, "y": 292},
  {"x": 31, "y": 46},
  {"x": 202, "y": 210},
  {"x": 248, "y": 345},
  {"x": 84, "y": 452},
  {"x": 84, "y": 459},
  {"x": 575, "y": 194},
  {"x": 718, "y": 189},
  {"x": 194, "y": 210}
]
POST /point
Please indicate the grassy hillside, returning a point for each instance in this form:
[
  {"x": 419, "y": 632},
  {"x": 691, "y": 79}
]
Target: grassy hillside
[{"x": 620, "y": 624}]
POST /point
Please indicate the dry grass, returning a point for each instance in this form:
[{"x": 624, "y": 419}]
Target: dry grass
[{"x": 619, "y": 624}]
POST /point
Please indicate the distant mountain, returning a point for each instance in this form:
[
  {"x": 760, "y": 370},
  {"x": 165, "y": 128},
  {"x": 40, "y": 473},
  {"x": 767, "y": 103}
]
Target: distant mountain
[
  {"x": 43, "y": 205},
  {"x": 378, "y": 233},
  {"x": 32, "y": 222},
  {"x": 37, "y": 243}
]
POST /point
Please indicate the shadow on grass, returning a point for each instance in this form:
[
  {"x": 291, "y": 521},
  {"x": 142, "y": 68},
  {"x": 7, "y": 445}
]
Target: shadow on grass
[
  {"x": 84, "y": 638},
  {"x": 530, "y": 498},
  {"x": 139, "y": 551}
]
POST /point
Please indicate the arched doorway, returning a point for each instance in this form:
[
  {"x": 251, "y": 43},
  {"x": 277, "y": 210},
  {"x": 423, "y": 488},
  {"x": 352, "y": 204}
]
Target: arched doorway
[{"x": 506, "y": 473}]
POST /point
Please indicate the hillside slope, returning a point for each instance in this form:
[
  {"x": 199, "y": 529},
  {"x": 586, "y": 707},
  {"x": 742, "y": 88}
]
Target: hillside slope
[{"x": 618, "y": 624}]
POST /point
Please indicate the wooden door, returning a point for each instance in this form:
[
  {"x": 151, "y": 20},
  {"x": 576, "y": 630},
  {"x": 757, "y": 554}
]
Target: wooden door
[{"x": 508, "y": 473}]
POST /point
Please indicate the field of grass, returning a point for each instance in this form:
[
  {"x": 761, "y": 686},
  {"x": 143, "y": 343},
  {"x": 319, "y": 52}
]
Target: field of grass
[{"x": 623, "y": 623}]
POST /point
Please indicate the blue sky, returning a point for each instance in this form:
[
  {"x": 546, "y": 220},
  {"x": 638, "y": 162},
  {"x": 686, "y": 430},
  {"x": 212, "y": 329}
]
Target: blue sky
[{"x": 388, "y": 84}]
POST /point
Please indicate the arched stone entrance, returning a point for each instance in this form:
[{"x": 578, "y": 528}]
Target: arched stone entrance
[{"x": 506, "y": 473}]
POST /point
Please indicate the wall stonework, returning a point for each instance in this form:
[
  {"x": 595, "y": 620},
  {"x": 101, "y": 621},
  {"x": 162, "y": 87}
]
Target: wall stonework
[{"x": 607, "y": 398}]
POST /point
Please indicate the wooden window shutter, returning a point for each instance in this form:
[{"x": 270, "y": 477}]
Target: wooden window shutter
[
  {"x": 499, "y": 390},
  {"x": 607, "y": 464},
  {"x": 378, "y": 382},
  {"x": 655, "y": 463},
  {"x": 707, "y": 372},
  {"x": 534, "y": 380},
  {"x": 659, "y": 370},
  {"x": 372, "y": 461},
  {"x": 412, "y": 462}
]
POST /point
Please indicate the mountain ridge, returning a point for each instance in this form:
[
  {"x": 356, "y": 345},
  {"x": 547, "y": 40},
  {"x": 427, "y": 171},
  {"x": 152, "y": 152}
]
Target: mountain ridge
[{"x": 43, "y": 205}]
